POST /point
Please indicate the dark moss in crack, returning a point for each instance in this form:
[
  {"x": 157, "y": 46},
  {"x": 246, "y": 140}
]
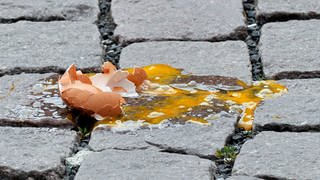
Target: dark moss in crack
[
  {"x": 252, "y": 41},
  {"x": 226, "y": 156},
  {"x": 106, "y": 26}
]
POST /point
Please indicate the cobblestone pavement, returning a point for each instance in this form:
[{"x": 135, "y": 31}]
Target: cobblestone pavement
[{"x": 40, "y": 38}]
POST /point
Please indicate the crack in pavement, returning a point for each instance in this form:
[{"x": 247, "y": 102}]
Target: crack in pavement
[
  {"x": 43, "y": 70},
  {"x": 36, "y": 123},
  {"x": 106, "y": 26},
  {"x": 253, "y": 39},
  {"x": 269, "y": 177},
  {"x": 287, "y": 128},
  {"x": 296, "y": 75},
  {"x": 236, "y": 140},
  {"x": 168, "y": 149},
  {"x": 80, "y": 144},
  {"x": 32, "y": 19},
  {"x": 264, "y": 18}
]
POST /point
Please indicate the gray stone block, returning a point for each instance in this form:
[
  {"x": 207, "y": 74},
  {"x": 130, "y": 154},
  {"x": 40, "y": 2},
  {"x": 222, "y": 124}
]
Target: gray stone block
[
  {"x": 194, "y": 139},
  {"x": 229, "y": 59},
  {"x": 46, "y": 9},
  {"x": 162, "y": 19},
  {"x": 143, "y": 165},
  {"x": 102, "y": 138},
  {"x": 288, "y": 6},
  {"x": 281, "y": 156},
  {"x": 291, "y": 46},
  {"x": 35, "y": 153},
  {"x": 297, "y": 110},
  {"x": 41, "y": 44},
  {"x": 31, "y": 100}
]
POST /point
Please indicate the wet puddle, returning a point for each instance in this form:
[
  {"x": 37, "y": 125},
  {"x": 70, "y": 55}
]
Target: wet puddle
[
  {"x": 45, "y": 95},
  {"x": 175, "y": 97}
]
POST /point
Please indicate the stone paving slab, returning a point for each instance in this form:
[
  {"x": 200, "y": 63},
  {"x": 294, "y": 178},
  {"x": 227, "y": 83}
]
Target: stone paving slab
[
  {"x": 46, "y": 9},
  {"x": 274, "y": 155},
  {"x": 291, "y": 46},
  {"x": 222, "y": 58},
  {"x": 289, "y": 6},
  {"x": 143, "y": 165},
  {"x": 35, "y": 153},
  {"x": 175, "y": 19},
  {"x": 31, "y": 100},
  {"x": 297, "y": 110},
  {"x": 102, "y": 138},
  {"x": 41, "y": 44},
  {"x": 194, "y": 139}
]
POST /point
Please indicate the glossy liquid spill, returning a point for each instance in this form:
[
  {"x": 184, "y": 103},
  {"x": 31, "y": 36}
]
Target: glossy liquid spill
[{"x": 178, "y": 97}]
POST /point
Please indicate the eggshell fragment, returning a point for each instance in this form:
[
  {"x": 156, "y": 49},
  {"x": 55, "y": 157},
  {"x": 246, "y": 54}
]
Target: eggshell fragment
[
  {"x": 99, "y": 95},
  {"x": 68, "y": 77},
  {"x": 100, "y": 81},
  {"x": 114, "y": 78},
  {"x": 108, "y": 67},
  {"x": 105, "y": 104},
  {"x": 138, "y": 76},
  {"x": 83, "y": 78}
]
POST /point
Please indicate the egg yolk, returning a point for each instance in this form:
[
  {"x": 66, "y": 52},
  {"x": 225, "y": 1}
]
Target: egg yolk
[{"x": 164, "y": 101}]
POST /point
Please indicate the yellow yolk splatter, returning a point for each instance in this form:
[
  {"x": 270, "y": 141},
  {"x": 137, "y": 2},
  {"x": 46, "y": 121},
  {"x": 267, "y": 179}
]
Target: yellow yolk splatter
[
  {"x": 167, "y": 107},
  {"x": 179, "y": 103},
  {"x": 250, "y": 98},
  {"x": 160, "y": 73}
]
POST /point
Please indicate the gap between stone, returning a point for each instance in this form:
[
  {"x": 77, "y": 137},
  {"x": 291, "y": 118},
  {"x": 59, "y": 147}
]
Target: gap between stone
[
  {"x": 281, "y": 16},
  {"x": 43, "y": 70},
  {"x": 287, "y": 128},
  {"x": 81, "y": 143},
  {"x": 296, "y": 75},
  {"x": 236, "y": 140},
  {"x": 253, "y": 39},
  {"x": 168, "y": 149},
  {"x": 32, "y": 19},
  {"x": 36, "y": 123}
]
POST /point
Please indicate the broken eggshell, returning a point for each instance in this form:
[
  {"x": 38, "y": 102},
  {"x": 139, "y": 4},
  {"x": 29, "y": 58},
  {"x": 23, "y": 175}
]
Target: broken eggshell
[{"x": 101, "y": 95}]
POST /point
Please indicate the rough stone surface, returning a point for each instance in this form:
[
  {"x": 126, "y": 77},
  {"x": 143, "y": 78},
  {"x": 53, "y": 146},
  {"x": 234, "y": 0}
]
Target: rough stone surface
[
  {"x": 297, "y": 110},
  {"x": 291, "y": 46},
  {"x": 46, "y": 9},
  {"x": 31, "y": 100},
  {"x": 40, "y": 44},
  {"x": 163, "y": 19},
  {"x": 139, "y": 164},
  {"x": 195, "y": 139},
  {"x": 104, "y": 139},
  {"x": 35, "y": 153},
  {"x": 280, "y": 156},
  {"x": 289, "y": 6},
  {"x": 221, "y": 58}
]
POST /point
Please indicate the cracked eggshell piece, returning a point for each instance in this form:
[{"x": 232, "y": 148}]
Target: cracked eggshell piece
[
  {"x": 105, "y": 104},
  {"x": 68, "y": 77},
  {"x": 79, "y": 92},
  {"x": 108, "y": 67},
  {"x": 138, "y": 76},
  {"x": 115, "y": 82},
  {"x": 100, "y": 81}
]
